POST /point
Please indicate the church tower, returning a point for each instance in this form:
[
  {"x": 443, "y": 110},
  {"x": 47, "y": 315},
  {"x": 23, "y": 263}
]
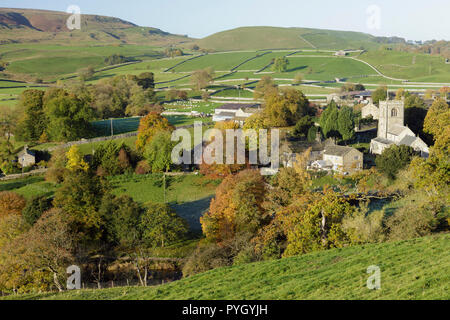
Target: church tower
[{"x": 392, "y": 113}]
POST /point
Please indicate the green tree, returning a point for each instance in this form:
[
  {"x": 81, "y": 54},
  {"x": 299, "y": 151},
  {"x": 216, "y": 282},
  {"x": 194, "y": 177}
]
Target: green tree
[
  {"x": 158, "y": 152},
  {"x": 280, "y": 64},
  {"x": 312, "y": 134},
  {"x": 122, "y": 217},
  {"x": 160, "y": 225},
  {"x": 80, "y": 197},
  {"x": 380, "y": 94},
  {"x": 35, "y": 208},
  {"x": 329, "y": 121},
  {"x": 68, "y": 118},
  {"x": 302, "y": 126},
  {"x": 346, "y": 123},
  {"x": 393, "y": 159},
  {"x": 33, "y": 120}
]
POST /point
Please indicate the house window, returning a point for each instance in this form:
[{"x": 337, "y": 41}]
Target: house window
[{"x": 394, "y": 112}]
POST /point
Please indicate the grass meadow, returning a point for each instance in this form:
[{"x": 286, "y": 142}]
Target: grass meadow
[{"x": 413, "y": 269}]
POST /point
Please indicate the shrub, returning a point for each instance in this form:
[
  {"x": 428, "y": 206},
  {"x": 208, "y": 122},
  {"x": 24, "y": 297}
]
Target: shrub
[
  {"x": 393, "y": 159},
  {"x": 143, "y": 167},
  {"x": 411, "y": 222}
]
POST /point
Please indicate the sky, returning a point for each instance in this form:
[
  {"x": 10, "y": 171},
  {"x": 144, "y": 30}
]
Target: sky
[{"x": 410, "y": 19}]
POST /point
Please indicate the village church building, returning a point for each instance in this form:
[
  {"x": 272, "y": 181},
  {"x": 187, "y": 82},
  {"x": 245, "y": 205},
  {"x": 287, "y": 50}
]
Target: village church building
[{"x": 392, "y": 129}]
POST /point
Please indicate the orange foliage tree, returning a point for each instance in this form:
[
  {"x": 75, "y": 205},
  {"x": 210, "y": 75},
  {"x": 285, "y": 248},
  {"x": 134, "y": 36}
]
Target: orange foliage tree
[
  {"x": 11, "y": 203},
  {"x": 237, "y": 207},
  {"x": 149, "y": 126}
]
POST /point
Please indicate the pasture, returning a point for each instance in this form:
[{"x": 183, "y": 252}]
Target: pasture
[{"x": 415, "y": 269}]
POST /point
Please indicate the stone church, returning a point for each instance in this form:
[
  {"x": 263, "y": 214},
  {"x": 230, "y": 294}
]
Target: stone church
[{"x": 392, "y": 129}]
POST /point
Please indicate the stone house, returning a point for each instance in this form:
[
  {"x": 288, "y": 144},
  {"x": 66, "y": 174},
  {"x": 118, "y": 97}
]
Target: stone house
[
  {"x": 343, "y": 159},
  {"x": 26, "y": 157}
]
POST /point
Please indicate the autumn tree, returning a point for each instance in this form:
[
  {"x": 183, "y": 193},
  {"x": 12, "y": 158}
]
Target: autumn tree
[
  {"x": 75, "y": 159},
  {"x": 200, "y": 79},
  {"x": 318, "y": 227},
  {"x": 149, "y": 126},
  {"x": 57, "y": 166},
  {"x": 237, "y": 207},
  {"x": 285, "y": 108},
  {"x": 265, "y": 87},
  {"x": 50, "y": 245},
  {"x": 11, "y": 203}
]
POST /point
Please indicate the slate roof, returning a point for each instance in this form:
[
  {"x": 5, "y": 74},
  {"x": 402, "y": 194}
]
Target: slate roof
[
  {"x": 407, "y": 140},
  {"x": 26, "y": 151},
  {"x": 383, "y": 141},
  {"x": 338, "y": 150},
  {"x": 397, "y": 130}
]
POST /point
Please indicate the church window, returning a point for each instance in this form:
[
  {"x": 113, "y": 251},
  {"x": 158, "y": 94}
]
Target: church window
[{"x": 394, "y": 113}]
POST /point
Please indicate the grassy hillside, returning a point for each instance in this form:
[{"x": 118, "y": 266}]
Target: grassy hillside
[
  {"x": 258, "y": 38},
  {"x": 412, "y": 66},
  {"x": 30, "y": 25},
  {"x": 414, "y": 269}
]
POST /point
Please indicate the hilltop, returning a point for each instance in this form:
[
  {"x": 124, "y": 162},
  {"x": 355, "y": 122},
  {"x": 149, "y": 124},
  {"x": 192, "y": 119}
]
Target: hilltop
[
  {"x": 32, "y": 25},
  {"x": 413, "y": 269},
  {"x": 262, "y": 38}
]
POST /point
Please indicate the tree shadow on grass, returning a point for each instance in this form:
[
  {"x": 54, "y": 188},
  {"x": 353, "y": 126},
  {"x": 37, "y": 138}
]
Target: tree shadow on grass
[
  {"x": 192, "y": 211},
  {"x": 296, "y": 69},
  {"x": 17, "y": 184}
]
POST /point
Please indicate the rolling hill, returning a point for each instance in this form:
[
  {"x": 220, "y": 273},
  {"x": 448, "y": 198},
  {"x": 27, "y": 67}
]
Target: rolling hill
[
  {"x": 262, "y": 38},
  {"x": 31, "y": 26},
  {"x": 413, "y": 269}
]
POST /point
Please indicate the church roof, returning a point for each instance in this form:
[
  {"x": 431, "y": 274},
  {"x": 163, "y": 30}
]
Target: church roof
[
  {"x": 407, "y": 140},
  {"x": 397, "y": 130},
  {"x": 383, "y": 141}
]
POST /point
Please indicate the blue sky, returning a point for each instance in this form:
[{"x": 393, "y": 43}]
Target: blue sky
[{"x": 411, "y": 19}]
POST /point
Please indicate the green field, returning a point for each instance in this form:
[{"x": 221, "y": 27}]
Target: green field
[
  {"x": 29, "y": 187},
  {"x": 410, "y": 66},
  {"x": 414, "y": 269},
  {"x": 125, "y": 125},
  {"x": 189, "y": 195}
]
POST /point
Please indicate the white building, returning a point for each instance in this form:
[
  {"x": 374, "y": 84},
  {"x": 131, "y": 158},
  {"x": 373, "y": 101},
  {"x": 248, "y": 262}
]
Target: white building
[{"x": 235, "y": 112}]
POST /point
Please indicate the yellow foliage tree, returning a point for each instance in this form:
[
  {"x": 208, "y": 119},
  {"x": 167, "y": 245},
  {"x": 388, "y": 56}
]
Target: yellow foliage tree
[{"x": 75, "y": 159}]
